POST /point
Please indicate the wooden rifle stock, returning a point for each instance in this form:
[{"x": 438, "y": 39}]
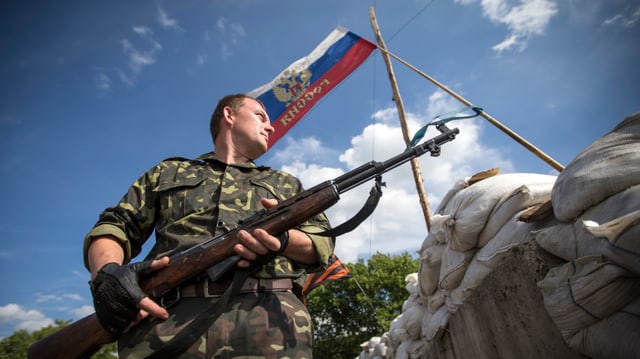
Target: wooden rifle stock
[{"x": 84, "y": 337}]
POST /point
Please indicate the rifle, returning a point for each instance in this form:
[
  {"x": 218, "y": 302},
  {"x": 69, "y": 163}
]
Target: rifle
[{"x": 215, "y": 256}]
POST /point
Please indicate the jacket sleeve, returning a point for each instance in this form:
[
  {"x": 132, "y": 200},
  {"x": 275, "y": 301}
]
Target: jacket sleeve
[{"x": 132, "y": 220}]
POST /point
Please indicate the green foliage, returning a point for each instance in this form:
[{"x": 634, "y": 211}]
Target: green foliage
[
  {"x": 16, "y": 345},
  {"x": 344, "y": 316}
]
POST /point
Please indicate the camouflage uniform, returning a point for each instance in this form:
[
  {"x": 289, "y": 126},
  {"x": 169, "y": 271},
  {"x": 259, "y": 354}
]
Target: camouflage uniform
[{"x": 188, "y": 201}]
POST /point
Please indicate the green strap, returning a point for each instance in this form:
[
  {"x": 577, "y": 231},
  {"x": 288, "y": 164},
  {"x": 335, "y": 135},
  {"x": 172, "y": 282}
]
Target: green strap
[{"x": 436, "y": 122}]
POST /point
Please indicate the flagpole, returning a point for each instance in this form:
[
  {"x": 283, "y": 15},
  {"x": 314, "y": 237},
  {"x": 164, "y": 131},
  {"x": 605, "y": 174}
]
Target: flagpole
[
  {"x": 417, "y": 174},
  {"x": 536, "y": 151}
]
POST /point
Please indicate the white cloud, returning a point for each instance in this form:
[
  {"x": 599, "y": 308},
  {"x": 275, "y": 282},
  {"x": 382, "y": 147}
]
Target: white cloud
[
  {"x": 306, "y": 149},
  {"x": 83, "y": 311},
  {"x": 42, "y": 298},
  {"x": 232, "y": 33},
  {"x": 524, "y": 19},
  {"x": 21, "y": 318},
  {"x": 629, "y": 16},
  {"x": 139, "y": 57},
  {"x": 167, "y": 22},
  {"x": 201, "y": 59},
  {"x": 102, "y": 82},
  {"x": 398, "y": 223}
]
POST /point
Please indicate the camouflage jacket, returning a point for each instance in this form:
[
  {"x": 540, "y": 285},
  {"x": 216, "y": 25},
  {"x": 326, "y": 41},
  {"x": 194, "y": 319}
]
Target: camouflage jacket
[{"x": 188, "y": 201}]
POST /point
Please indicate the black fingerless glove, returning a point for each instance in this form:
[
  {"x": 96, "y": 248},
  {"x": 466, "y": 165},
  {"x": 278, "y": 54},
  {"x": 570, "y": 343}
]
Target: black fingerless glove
[{"x": 116, "y": 294}]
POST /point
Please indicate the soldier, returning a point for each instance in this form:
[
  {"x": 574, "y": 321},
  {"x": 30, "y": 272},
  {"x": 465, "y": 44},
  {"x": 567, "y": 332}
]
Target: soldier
[{"x": 187, "y": 201}]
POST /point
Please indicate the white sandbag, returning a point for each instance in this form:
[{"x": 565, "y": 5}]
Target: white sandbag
[
  {"x": 468, "y": 211},
  {"x": 411, "y": 281},
  {"x": 434, "y": 324},
  {"x": 609, "y": 165},
  {"x": 379, "y": 351},
  {"x": 486, "y": 259},
  {"x": 579, "y": 293},
  {"x": 435, "y": 301},
  {"x": 454, "y": 265},
  {"x": 417, "y": 349},
  {"x": 437, "y": 233},
  {"x": 621, "y": 237},
  {"x": 402, "y": 352},
  {"x": 571, "y": 240},
  {"x": 521, "y": 198},
  {"x": 429, "y": 241},
  {"x": 411, "y": 301},
  {"x": 411, "y": 349},
  {"x": 368, "y": 347},
  {"x": 615, "y": 337},
  {"x": 460, "y": 184},
  {"x": 429, "y": 270},
  {"x": 464, "y": 183},
  {"x": 413, "y": 318},
  {"x": 397, "y": 331},
  {"x": 413, "y": 288}
]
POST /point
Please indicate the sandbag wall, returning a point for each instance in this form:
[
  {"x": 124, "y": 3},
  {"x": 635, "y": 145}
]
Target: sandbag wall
[
  {"x": 594, "y": 298},
  {"x": 473, "y": 228},
  {"x": 589, "y": 215}
]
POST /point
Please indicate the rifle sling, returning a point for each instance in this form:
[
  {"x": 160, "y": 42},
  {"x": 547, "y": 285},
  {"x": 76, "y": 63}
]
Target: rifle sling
[
  {"x": 190, "y": 334},
  {"x": 364, "y": 212}
]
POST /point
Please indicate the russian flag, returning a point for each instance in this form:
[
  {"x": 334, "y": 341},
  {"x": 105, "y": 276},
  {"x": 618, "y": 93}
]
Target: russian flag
[{"x": 303, "y": 83}]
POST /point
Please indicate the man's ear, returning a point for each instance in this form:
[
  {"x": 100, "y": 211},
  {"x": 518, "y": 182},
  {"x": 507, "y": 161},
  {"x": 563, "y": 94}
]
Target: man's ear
[{"x": 228, "y": 115}]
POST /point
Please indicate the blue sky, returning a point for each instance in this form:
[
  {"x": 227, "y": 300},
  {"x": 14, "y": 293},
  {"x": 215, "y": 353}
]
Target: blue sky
[{"x": 94, "y": 93}]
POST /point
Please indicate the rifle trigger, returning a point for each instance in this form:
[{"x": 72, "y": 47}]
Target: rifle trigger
[
  {"x": 166, "y": 303},
  {"x": 217, "y": 270}
]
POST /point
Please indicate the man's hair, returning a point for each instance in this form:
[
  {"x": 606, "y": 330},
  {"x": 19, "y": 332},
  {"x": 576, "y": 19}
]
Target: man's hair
[{"x": 234, "y": 101}]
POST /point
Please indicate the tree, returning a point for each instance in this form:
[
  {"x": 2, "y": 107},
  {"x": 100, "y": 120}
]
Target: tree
[
  {"x": 16, "y": 345},
  {"x": 344, "y": 317}
]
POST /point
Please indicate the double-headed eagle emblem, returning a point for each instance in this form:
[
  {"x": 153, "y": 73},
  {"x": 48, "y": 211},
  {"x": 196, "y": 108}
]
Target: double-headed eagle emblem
[{"x": 291, "y": 85}]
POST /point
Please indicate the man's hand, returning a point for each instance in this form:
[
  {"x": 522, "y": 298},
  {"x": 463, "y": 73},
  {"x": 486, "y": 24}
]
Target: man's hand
[
  {"x": 118, "y": 300},
  {"x": 259, "y": 242}
]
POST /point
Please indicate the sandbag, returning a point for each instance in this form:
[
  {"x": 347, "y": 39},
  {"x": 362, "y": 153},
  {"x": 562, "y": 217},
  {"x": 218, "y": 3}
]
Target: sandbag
[
  {"x": 521, "y": 198},
  {"x": 429, "y": 271},
  {"x": 621, "y": 238},
  {"x": 397, "y": 331},
  {"x": 435, "y": 301},
  {"x": 414, "y": 316},
  {"x": 464, "y": 183},
  {"x": 609, "y": 165},
  {"x": 434, "y": 324},
  {"x": 572, "y": 240},
  {"x": 411, "y": 349},
  {"x": 466, "y": 214},
  {"x": 582, "y": 292},
  {"x": 437, "y": 233},
  {"x": 486, "y": 259},
  {"x": 615, "y": 337},
  {"x": 454, "y": 265}
]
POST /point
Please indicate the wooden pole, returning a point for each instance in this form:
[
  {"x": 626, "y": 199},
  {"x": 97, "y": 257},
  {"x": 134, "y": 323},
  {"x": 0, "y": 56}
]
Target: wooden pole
[
  {"x": 417, "y": 175},
  {"x": 546, "y": 158}
]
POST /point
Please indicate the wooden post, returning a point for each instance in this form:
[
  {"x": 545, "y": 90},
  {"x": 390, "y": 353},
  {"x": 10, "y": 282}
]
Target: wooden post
[{"x": 417, "y": 175}]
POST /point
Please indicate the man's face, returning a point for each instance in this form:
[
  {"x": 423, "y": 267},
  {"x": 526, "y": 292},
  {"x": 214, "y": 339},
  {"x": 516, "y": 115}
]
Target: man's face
[{"x": 251, "y": 129}]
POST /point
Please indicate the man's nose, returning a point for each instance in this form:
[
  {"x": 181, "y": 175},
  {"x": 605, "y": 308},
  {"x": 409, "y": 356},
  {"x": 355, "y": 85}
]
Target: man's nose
[{"x": 269, "y": 128}]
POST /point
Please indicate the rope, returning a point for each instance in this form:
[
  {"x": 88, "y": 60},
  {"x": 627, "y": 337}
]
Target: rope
[{"x": 411, "y": 20}]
